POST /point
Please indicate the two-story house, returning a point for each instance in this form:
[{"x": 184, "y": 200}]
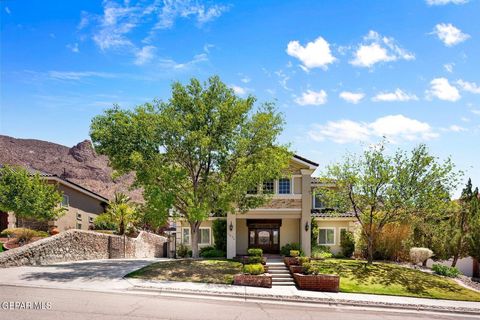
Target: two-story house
[{"x": 286, "y": 218}]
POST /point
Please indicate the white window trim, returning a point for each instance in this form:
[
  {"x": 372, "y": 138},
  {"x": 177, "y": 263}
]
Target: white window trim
[
  {"x": 313, "y": 201},
  {"x": 209, "y": 238},
  {"x": 278, "y": 187},
  {"x": 65, "y": 196},
  {"x": 334, "y": 236},
  {"x": 189, "y": 235}
]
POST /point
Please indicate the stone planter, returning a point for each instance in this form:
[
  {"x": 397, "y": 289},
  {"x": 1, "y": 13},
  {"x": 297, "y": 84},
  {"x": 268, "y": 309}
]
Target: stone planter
[
  {"x": 300, "y": 262},
  {"x": 321, "y": 282},
  {"x": 263, "y": 280},
  {"x": 295, "y": 269},
  {"x": 265, "y": 268},
  {"x": 290, "y": 261}
]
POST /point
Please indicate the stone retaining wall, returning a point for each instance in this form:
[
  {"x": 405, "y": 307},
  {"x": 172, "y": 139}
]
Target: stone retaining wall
[{"x": 74, "y": 245}]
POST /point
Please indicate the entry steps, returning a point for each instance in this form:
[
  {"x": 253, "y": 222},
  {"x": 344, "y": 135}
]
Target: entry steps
[{"x": 280, "y": 274}]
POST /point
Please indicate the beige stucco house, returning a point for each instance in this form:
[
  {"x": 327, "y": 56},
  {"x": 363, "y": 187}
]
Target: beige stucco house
[
  {"x": 82, "y": 206},
  {"x": 286, "y": 218}
]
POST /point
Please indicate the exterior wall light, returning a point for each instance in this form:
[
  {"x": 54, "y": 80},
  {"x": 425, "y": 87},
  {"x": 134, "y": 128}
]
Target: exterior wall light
[
  {"x": 230, "y": 226},
  {"x": 306, "y": 226}
]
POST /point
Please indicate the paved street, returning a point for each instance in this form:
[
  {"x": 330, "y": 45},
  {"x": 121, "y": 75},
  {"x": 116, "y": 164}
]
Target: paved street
[{"x": 76, "y": 304}]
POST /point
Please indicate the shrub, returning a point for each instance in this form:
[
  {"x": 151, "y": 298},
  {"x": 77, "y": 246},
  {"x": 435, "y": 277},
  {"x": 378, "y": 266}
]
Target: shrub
[
  {"x": 321, "y": 252},
  {"x": 347, "y": 243},
  {"x": 1, "y": 247},
  {"x": 104, "y": 222},
  {"x": 447, "y": 271},
  {"x": 255, "y": 252},
  {"x": 253, "y": 269},
  {"x": 420, "y": 255},
  {"x": 182, "y": 251},
  {"x": 294, "y": 253},
  {"x": 24, "y": 236},
  {"x": 254, "y": 259},
  {"x": 205, "y": 249},
  {"x": 215, "y": 253},
  {"x": 302, "y": 260},
  {"x": 393, "y": 242},
  {"x": 285, "y": 250},
  {"x": 16, "y": 232},
  {"x": 310, "y": 268},
  {"x": 220, "y": 234}
]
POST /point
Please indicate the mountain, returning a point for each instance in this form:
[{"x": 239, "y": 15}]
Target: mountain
[{"x": 79, "y": 164}]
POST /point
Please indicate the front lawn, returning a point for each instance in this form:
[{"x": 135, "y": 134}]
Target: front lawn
[
  {"x": 391, "y": 279},
  {"x": 209, "y": 271}
]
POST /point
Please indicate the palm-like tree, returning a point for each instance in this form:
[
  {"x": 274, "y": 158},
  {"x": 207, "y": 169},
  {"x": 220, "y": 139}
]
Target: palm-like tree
[{"x": 122, "y": 212}]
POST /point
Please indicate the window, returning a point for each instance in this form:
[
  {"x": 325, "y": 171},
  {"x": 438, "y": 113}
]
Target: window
[
  {"x": 90, "y": 219},
  {"x": 65, "y": 201},
  {"x": 326, "y": 236},
  {"x": 252, "y": 237},
  {"x": 268, "y": 187},
  {"x": 318, "y": 201},
  {"x": 79, "y": 226},
  {"x": 79, "y": 216},
  {"x": 252, "y": 190},
  {"x": 186, "y": 235},
  {"x": 204, "y": 235},
  {"x": 284, "y": 186}
]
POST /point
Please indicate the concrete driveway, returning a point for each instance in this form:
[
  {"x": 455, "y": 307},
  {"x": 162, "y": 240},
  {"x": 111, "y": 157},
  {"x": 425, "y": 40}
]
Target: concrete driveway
[{"x": 101, "y": 275}]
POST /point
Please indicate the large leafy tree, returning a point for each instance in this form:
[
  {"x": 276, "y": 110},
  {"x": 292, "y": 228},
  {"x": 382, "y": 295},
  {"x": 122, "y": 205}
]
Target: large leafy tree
[
  {"x": 198, "y": 153},
  {"x": 382, "y": 189},
  {"x": 28, "y": 195}
]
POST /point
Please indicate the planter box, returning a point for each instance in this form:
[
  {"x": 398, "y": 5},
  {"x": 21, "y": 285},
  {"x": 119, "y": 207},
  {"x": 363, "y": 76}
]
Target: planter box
[
  {"x": 295, "y": 269},
  {"x": 265, "y": 268},
  {"x": 264, "y": 280},
  {"x": 290, "y": 261},
  {"x": 321, "y": 282}
]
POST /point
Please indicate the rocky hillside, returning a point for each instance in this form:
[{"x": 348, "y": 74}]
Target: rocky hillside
[{"x": 79, "y": 164}]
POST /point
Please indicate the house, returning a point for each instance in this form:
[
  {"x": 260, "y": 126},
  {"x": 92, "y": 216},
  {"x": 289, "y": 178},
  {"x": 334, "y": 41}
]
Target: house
[
  {"x": 82, "y": 206},
  {"x": 285, "y": 219}
]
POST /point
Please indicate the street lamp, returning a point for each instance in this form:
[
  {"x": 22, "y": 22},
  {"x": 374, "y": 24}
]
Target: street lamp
[{"x": 230, "y": 226}]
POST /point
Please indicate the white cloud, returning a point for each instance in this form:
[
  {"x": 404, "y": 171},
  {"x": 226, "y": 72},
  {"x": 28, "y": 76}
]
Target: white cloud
[
  {"x": 145, "y": 55},
  {"x": 471, "y": 87},
  {"x": 312, "y": 98},
  {"x": 444, "y": 2},
  {"x": 239, "y": 90},
  {"x": 455, "y": 128},
  {"x": 283, "y": 79},
  {"x": 449, "y": 34},
  {"x": 7, "y": 10},
  {"x": 376, "y": 48},
  {"x": 397, "y": 95},
  {"x": 173, "y": 10},
  {"x": 352, "y": 97},
  {"x": 315, "y": 54},
  {"x": 397, "y": 128},
  {"x": 73, "y": 47},
  {"x": 440, "y": 88},
  {"x": 476, "y": 111},
  {"x": 172, "y": 64},
  {"x": 449, "y": 67},
  {"x": 78, "y": 75}
]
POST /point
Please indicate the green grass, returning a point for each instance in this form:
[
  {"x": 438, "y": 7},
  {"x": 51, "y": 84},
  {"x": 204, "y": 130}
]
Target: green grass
[
  {"x": 391, "y": 279},
  {"x": 208, "y": 271}
]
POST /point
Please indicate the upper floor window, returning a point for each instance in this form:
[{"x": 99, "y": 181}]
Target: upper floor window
[
  {"x": 284, "y": 186},
  {"x": 268, "y": 187},
  {"x": 253, "y": 190},
  {"x": 65, "y": 201},
  {"x": 318, "y": 201}
]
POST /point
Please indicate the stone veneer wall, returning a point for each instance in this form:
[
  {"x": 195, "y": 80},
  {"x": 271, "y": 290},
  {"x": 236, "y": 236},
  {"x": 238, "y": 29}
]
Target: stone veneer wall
[{"x": 74, "y": 245}]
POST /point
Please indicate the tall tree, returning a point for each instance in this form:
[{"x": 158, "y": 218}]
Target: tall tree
[
  {"x": 122, "y": 212},
  {"x": 28, "y": 195},
  {"x": 198, "y": 153},
  {"x": 381, "y": 189},
  {"x": 463, "y": 223}
]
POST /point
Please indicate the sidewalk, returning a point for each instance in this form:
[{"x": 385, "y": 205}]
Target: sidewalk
[{"x": 293, "y": 295}]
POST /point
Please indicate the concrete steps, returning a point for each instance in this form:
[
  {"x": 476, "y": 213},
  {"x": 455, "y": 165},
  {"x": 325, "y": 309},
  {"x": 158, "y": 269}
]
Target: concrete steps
[{"x": 280, "y": 274}]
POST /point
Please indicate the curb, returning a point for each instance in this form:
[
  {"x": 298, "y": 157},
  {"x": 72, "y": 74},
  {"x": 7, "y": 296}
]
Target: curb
[{"x": 309, "y": 300}]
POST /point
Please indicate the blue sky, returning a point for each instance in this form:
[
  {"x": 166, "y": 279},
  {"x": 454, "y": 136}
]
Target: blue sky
[{"x": 344, "y": 73}]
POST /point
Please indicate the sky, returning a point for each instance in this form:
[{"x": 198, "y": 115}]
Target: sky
[{"x": 343, "y": 73}]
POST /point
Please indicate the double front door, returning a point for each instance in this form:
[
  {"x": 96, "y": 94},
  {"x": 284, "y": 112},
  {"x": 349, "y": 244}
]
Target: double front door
[{"x": 264, "y": 235}]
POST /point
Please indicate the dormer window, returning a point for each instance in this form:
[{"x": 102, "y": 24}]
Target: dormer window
[
  {"x": 318, "y": 201},
  {"x": 284, "y": 186}
]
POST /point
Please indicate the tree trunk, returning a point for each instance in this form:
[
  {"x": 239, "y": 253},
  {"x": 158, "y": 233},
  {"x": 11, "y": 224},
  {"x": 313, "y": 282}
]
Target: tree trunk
[
  {"x": 455, "y": 260},
  {"x": 195, "y": 227},
  {"x": 424, "y": 263},
  {"x": 370, "y": 250},
  {"x": 121, "y": 228}
]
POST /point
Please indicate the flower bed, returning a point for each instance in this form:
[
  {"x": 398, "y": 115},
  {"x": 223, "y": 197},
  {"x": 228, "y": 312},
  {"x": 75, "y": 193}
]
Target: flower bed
[
  {"x": 263, "y": 280},
  {"x": 291, "y": 261},
  {"x": 295, "y": 269},
  {"x": 320, "y": 282}
]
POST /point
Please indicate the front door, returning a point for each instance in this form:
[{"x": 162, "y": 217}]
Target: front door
[
  {"x": 264, "y": 235},
  {"x": 3, "y": 221}
]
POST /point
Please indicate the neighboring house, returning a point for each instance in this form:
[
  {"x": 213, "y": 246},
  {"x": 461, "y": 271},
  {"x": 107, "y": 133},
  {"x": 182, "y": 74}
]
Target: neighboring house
[
  {"x": 286, "y": 218},
  {"x": 82, "y": 207}
]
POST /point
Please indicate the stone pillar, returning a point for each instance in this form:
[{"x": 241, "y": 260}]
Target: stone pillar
[
  {"x": 305, "y": 236},
  {"x": 231, "y": 236},
  {"x": 12, "y": 220}
]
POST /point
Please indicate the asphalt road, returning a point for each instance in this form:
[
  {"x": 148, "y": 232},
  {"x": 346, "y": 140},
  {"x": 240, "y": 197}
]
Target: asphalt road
[{"x": 78, "y": 304}]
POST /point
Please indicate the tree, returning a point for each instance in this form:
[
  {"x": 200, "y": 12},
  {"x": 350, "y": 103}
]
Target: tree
[
  {"x": 464, "y": 223},
  {"x": 219, "y": 227},
  {"x": 28, "y": 195},
  {"x": 198, "y": 153},
  {"x": 381, "y": 189},
  {"x": 121, "y": 212}
]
